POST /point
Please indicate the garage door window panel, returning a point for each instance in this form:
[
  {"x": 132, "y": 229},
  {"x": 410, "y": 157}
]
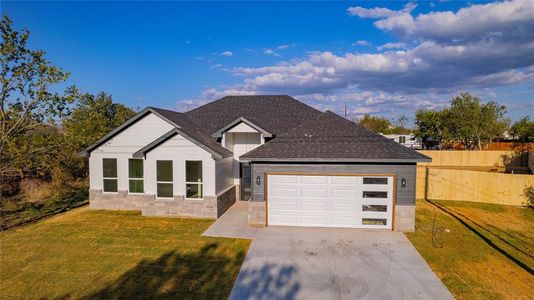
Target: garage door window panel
[
  {"x": 375, "y": 194},
  {"x": 374, "y": 208},
  {"x": 375, "y": 180},
  {"x": 374, "y": 221}
]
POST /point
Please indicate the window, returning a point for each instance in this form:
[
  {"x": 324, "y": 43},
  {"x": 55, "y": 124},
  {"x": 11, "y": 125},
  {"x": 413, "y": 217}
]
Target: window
[
  {"x": 164, "y": 179},
  {"x": 374, "y": 180},
  {"x": 372, "y": 221},
  {"x": 375, "y": 194},
  {"x": 402, "y": 139},
  {"x": 135, "y": 175},
  {"x": 109, "y": 173},
  {"x": 372, "y": 207},
  {"x": 193, "y": 179}
]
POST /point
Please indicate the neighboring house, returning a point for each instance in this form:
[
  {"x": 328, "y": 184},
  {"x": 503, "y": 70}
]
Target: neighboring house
[
  {"x": 407, "y": 140},
  {"x": 295, "y": 165}
]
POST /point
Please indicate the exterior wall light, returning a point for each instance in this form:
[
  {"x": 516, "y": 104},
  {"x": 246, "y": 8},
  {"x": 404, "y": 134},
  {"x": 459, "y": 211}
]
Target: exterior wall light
[
  {"x": 258, "y": 180},
  {"x": 403, "y": 182}
]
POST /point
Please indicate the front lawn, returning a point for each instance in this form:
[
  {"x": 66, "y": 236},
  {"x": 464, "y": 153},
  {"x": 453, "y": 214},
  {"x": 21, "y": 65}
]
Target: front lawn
[
  {"x": 105, "y": 254},
  {"x": 480, "y": 251}
]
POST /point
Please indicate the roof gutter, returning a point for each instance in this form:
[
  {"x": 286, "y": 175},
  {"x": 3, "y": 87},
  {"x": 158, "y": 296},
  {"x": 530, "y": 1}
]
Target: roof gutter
[{"x": 347, "y": 160}]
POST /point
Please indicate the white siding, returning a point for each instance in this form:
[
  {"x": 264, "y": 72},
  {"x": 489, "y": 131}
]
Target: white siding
[
  {"x": 223, "y": 176},
  {"x": 138, "y": 135},
  {"x": 228, "y": 141},
  {"x": 122, "y": 146},
  {"x": 178, "y": 149}
]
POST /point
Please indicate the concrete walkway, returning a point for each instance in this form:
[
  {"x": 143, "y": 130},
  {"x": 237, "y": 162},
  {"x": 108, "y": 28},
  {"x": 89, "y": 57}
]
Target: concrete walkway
[
  {"x": 233, "y": 223},
  {"x": 322, "y": 263}
]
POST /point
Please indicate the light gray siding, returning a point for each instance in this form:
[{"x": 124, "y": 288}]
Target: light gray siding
[
  {"x": 404, "y": 196},
  {"x": 224, "y": 174}
]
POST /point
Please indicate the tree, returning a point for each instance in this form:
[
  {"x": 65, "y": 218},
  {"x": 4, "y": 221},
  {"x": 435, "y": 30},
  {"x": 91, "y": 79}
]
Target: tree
[
  {"x": 26, "y": 102},
  {"x": 92, "y": 118},
  {"x": 523, "y": 130},
  {"x": 376, "y": 124},
  {"x": 430, "y": 126},
  {"x": 474, "y": 123}
]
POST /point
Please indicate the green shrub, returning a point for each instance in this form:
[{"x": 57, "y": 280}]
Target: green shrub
[{"x": 528, "y": 192}]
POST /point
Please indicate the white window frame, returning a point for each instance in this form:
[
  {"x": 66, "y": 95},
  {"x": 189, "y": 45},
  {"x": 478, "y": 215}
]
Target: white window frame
[
  {"x": 112, "y": 178},
  {"x": 200, "y": 183},
  {"x": 142, "y": 178},
  {"x": 171, "y": 182}
]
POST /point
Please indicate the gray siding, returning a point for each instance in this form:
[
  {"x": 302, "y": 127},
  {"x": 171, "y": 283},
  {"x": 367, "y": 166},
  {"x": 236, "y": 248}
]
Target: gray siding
[{"x": 404, "y": 196}]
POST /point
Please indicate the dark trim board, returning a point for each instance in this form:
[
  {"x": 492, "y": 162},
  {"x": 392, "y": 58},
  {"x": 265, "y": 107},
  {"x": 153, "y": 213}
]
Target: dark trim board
[{"x": 332, "y": 160}]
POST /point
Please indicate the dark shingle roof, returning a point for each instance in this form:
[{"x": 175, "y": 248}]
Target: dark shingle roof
[
  {"x": 273, "y": 113},
  {"x": 330, "y": 137}
]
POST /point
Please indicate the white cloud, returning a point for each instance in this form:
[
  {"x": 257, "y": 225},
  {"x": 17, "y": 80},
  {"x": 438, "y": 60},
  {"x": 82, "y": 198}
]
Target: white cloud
[
  {"x": 274, "y": 52},
  {"x": 506, "y": 18},
  {"x": 429, "y": 65},
  {"x": 380, "y": 12},
  {"x": 269, "y": 51},
  {"x": 392, "y": 46},
  {"x": 227, "y": 53},
  {"x": 361, "y": 43},
  {"x": 440, "y": 53}
]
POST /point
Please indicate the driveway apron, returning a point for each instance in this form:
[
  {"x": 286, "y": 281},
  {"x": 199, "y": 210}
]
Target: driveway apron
[{"x": 327, "y": 263}]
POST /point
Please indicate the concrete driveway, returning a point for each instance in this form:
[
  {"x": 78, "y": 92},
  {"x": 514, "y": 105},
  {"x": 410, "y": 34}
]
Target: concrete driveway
[{"x": 322, "y": 263}]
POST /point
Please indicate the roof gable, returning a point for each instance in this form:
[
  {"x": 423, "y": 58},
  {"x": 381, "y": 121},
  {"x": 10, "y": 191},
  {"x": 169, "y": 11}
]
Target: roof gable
[
  {"x": 239, "y": 122},
  {"x": 181, "y": 125}
]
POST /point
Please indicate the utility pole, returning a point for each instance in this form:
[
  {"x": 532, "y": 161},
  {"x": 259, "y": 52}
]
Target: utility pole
[{"x": 345, "y": 110}]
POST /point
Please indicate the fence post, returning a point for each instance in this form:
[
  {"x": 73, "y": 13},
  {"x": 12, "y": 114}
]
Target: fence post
[{"x": 426, "y": 183}]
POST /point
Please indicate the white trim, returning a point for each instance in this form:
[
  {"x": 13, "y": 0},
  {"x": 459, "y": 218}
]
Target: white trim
[
  {"x": 142, "y": 178},
  {"x": 110, "y": 178},
  {"x": 225, "y": 190},
  {"x": 165, "y": 182},
  {"x": 200, "y": 183}
]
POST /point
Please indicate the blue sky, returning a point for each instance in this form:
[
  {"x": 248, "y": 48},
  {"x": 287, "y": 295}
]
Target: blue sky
[{"x": 385, "y": 58}]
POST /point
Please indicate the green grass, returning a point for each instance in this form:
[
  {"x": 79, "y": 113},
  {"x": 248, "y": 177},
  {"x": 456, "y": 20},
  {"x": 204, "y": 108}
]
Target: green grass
[
  {"x": 103, "y": 254},
  {"x": 480, "y": 251}
]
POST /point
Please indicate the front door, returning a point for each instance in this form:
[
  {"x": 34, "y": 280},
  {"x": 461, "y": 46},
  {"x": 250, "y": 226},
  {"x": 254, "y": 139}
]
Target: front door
[{"x": 245, "y": 176}]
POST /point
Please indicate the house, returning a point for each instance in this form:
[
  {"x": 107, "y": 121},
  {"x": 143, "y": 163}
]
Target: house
[
  {"x": 295, "y": 165},
  {"x": 407, "y": 140}
]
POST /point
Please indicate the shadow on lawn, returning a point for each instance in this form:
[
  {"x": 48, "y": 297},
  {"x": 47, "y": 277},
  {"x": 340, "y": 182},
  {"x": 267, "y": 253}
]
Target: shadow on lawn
[
  {"x": 459, "y": 217},
  {"x": 205, "y": 274}
]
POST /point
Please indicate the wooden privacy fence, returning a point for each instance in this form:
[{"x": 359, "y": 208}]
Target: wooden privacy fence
[
  {"x": 475, "y": 158},
  {"x": 468, "y": 185}
]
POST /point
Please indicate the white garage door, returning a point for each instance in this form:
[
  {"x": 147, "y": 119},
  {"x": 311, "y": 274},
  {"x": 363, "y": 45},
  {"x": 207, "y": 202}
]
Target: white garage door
[{"x": 330, "y": 201}]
